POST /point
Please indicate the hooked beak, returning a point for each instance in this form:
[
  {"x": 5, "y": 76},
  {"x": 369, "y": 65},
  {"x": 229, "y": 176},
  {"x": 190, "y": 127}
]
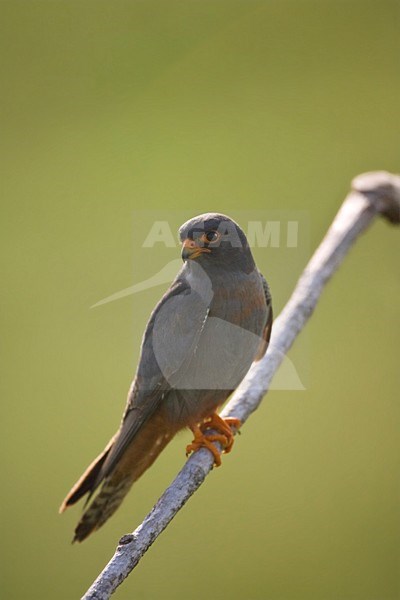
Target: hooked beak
[{"x": 190, "y": 249}]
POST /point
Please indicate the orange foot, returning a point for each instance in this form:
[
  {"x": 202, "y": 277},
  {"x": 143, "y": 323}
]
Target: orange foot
[{"x": 203, "y": 439}]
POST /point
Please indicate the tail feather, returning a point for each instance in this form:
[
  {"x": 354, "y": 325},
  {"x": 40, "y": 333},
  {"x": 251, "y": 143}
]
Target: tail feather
[
  {"x": 103, "y": 506},
  {"x": 87, "y": 482},
  {"x": 147, "y": 444}
]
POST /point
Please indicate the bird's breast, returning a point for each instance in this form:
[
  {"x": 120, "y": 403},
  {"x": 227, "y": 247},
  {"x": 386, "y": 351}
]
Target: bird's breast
[
  {"x": 241, "y": 301},
  {"x": 230, "y": 337},
  {"x": 227, "y": 345}
]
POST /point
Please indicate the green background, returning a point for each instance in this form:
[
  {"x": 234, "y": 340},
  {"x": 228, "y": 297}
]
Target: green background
[{"x": 188, "y": 106}]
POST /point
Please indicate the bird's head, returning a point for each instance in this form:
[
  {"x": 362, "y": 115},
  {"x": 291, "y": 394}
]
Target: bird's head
[{"x": 215, "y": 240}]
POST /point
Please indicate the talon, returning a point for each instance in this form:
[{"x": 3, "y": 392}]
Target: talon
[
  {"x": 233, "y": 422},
  {"x": 224, "y": 435},
  {"x": 201, "y": 440}
]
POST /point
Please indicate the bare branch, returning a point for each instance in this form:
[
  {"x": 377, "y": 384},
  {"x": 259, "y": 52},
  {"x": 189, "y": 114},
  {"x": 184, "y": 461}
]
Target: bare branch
[{"x": 372, "y": 194}]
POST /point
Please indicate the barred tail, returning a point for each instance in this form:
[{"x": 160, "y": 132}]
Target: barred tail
[
  {"x": 103, "y": 506},
  {"x": 86, "y": 483},
  {"x": 147, "y": 444}
]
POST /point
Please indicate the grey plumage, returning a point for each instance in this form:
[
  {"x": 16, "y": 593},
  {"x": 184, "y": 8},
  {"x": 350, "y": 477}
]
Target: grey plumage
[{"x": 199, "y": 343}]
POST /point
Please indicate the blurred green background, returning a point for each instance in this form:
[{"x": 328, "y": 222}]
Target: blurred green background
[{"x": 188, "y": 106}]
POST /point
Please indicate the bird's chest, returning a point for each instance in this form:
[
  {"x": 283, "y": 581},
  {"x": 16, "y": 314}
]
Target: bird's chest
[
  {"x": 241, "y": 303},
  {"x": 230, "y": 337},
  {"x": 226, "y": 346}
]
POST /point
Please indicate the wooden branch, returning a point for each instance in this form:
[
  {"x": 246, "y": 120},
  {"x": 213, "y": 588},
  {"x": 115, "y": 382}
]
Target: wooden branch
[{"x": 372, "y": 194}]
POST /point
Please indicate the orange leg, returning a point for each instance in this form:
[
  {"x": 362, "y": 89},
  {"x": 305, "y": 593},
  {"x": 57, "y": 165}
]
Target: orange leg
[
  {"x": 223, "y": 426},
  {"x": 201, "y": 440},
  {"x": 203, "y": 437}
]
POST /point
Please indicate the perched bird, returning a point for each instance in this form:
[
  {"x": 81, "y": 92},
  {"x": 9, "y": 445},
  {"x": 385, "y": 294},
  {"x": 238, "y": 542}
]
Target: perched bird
[{"x": 199, "y": 343}]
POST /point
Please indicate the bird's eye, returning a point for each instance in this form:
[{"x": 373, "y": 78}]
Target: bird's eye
[{"x": 211, "y": 236}]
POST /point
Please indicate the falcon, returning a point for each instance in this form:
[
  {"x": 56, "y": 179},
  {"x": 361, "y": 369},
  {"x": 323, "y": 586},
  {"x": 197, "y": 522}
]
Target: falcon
[{"x": 199, "y": 343}]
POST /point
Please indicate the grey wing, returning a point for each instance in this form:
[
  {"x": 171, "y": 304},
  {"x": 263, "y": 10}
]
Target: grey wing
[
  {"x": 268, "y": 326},
  {"x": 169, "y": 341}
]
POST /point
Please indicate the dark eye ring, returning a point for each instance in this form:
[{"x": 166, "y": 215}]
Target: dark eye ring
[{"x": 212, "y": 236}]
